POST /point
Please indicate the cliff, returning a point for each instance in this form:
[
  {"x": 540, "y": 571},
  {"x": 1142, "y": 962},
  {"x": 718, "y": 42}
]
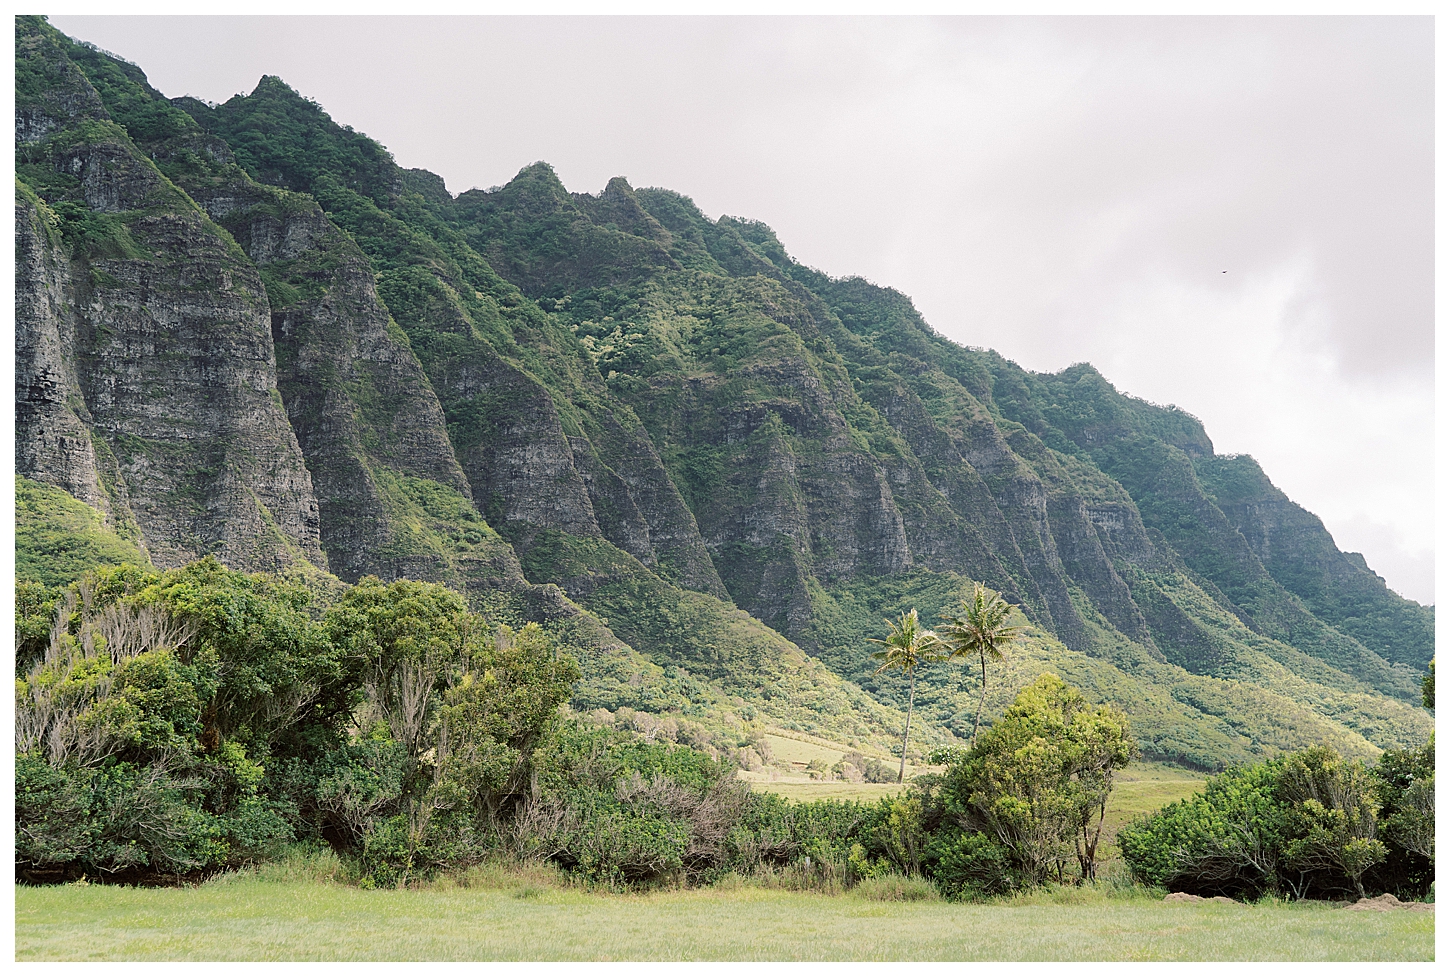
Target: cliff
[{"x": 243, "y": 329}]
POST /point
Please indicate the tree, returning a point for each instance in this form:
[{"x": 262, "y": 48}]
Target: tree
[
  {"x": 1405, "y": 790},
  {"x": 405, "y": 640},
  {"x": 1332, "y": 816},
  {"x": 1036, "y": 787},
  {"x": 1427, "y": 687},
  {"x": 907, "y": 646},
  {"x": 980, "y": 631}
]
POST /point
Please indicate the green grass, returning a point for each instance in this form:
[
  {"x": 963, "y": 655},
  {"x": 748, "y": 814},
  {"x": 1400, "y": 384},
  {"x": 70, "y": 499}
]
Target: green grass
[
  {"x": 1143, "y": 788},
  {"x": 1140, "y": 789},
  {"x": 793, "y": 750},
  {"x": 251, "y": 918},
  {"x": 825, "y": 790},
  {"x": 58, "y": 538}
]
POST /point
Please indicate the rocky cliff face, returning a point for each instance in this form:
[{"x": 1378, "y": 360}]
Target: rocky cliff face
[
  {"x": 53, "y": 439},
  {"x": 1297, "y": 551},
  {"x": 165, "y": 335},
  {"x": 243, "y": 329},
  {"x": 367, "y": 421}
]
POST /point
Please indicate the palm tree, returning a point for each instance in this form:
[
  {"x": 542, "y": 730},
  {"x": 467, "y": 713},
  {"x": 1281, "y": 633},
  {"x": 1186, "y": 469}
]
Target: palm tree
[
  {"x": 908, "y": 644},
  {"x": 980, "y": 631}
]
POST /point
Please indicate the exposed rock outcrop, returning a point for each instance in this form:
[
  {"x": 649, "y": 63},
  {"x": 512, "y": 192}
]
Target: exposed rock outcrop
[{"x": 172, "y": 351}]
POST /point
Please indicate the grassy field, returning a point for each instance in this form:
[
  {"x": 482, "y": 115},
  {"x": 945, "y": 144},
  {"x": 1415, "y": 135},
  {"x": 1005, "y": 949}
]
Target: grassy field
[
  {"x": 799, "y": 749},
  {"x": 1141, "y": 788},
  {"x": 250, "y": 918},
  {"x": 825, "y": 790}
]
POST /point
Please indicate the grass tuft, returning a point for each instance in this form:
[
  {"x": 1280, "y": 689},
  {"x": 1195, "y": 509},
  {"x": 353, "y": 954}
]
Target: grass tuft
[
  {"x": 296, "y": 865},
  {"x": 896, "y": 888}
]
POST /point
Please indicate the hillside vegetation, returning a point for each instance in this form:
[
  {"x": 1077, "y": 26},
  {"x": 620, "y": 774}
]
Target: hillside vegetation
[{"x": 705, "y": 471}]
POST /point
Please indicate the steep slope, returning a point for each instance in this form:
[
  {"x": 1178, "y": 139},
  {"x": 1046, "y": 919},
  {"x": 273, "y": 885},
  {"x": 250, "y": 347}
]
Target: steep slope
[
  {"x": 395, "y": 499},
  {"x": 1151, "y": 452},
  {"x": 58, "y": 537},
  {"x": 1297, "y": 551},
  {"x": 568, "y": 457},
  {"x": 1132, "y": 468},
  {"x": 392, "y": 499},
  {"x": 733, "y": 463},
  {"x": 1076, "y": 532},
  {"x": 794, "y": 480},
  {"x": 553, "y": 460},
  {"x": 143, "y": 330}
]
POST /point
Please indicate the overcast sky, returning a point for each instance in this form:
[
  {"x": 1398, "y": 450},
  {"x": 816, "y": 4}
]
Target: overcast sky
[{"x": 1232, "y": 215}]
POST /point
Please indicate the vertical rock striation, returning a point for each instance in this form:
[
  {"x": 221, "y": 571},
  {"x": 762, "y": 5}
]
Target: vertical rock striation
[{"x": 172, "y": 355}]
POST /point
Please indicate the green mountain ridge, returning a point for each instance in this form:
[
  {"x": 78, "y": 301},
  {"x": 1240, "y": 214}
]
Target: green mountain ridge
[{"x": 712, "y": 469}]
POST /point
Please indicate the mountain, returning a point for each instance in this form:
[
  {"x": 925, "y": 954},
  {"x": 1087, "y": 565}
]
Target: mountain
[{"x": 243, "y": 329}]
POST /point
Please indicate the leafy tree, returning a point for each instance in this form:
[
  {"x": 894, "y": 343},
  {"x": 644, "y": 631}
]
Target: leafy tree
[
  {"x": 452, "y": 715},
  {"x": 1036, "y": 786},
  {"x": 402, "y": 638},
  {"x": 1405, "y": 789},
  {"x": 281, "y": 674},
  {"x": 907, "y": 645},
  {"x": 35, "y": 605},
  {"x": 494, "y": 714},
  {"x": 1427, "y": 686},
  {"x": 1331, "y": 816},
  {"x": 980, "y": 631},
  {"x": 120, "y": 766}
]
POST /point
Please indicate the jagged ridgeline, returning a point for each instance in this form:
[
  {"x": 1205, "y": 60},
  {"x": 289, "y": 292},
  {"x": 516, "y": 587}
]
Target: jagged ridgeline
[{"x": 243, "y": 330}]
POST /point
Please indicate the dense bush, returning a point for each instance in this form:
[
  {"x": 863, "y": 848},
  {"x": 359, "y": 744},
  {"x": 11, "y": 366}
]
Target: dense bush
[
  {"x": 188, "y": 720},
  {"x": 143, "y": 722},
  {"x": 1306, "y": 824}
]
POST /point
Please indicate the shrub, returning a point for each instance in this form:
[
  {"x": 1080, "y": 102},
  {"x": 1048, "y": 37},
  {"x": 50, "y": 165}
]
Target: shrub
[
  {"x": 1225, "y": 840},
  {"x": 854, "y": 766},
  {"x": 1310, "y": 824},
  {"x": 612, "y": 809},
  {"x": 969, "y": 864},
  {"x": 124, "y": 821}
]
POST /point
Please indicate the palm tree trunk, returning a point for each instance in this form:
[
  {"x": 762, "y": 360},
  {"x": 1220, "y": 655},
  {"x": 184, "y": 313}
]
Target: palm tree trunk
[
  {"x": 910, "y": 698},
  {"x": 980, "y": 703}
]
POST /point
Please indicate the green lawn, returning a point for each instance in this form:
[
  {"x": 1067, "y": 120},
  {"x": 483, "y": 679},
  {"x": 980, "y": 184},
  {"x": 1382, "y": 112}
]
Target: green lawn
[{"x": 252, "y": 919}]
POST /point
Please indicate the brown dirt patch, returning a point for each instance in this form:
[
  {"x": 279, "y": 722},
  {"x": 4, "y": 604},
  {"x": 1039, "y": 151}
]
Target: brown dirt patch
[{"x": 1386, "y": 903}]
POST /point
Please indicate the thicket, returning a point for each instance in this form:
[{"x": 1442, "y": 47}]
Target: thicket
[
  {"x": 179, "y": 723},
  {"x": 1309, "y": 824}
]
